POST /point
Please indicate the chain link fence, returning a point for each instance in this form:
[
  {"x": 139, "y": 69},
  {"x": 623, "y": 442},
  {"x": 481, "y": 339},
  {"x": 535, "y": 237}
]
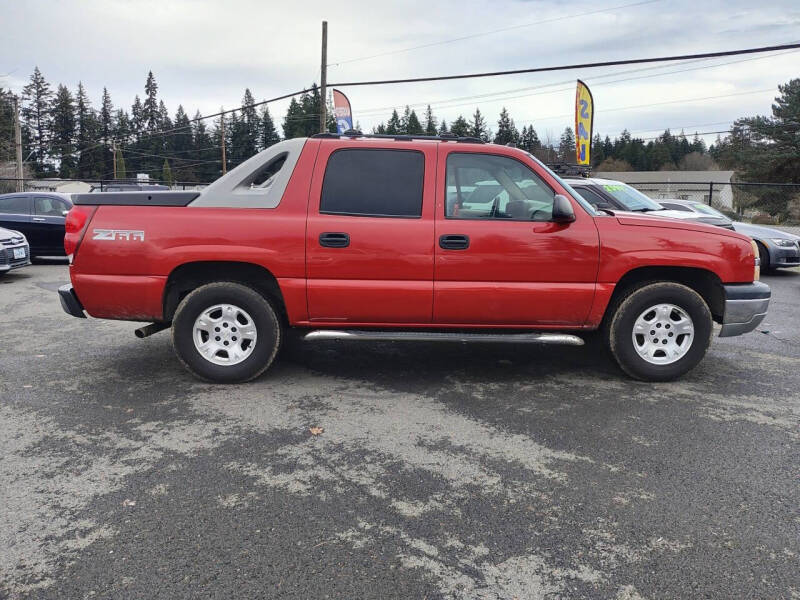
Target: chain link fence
[{"x": 765, "y": 203}]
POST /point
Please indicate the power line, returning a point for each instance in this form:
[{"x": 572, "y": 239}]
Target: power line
[
  {"x": 608, "y": 63},
  {"x": 492, "y": 31}
]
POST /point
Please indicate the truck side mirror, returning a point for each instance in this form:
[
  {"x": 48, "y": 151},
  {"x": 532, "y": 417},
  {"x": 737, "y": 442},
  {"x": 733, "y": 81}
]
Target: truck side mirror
[{"x": 562, "y": 210}]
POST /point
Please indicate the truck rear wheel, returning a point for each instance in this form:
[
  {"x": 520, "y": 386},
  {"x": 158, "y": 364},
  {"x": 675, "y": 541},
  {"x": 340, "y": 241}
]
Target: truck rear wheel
[
  {"x": 659, "y": 332},
  {"x": 226, "y": 332}
]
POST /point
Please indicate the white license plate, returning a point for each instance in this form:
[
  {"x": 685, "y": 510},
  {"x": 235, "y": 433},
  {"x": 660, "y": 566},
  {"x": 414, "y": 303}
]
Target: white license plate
[{"x": 19, "y": 253}]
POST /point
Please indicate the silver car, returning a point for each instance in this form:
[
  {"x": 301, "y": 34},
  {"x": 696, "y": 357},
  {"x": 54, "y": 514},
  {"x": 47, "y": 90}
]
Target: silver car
[
  {"x": 776, "y": 249},
  {"x": 14, "y": 250}
]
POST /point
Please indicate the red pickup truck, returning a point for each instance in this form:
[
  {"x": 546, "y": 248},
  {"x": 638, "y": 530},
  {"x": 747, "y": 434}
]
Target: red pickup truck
[{"x": 394, "y": 237}]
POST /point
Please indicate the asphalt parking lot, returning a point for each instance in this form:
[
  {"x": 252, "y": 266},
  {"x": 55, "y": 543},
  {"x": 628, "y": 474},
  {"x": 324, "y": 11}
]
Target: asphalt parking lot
[{"x": 442, "y": 471}]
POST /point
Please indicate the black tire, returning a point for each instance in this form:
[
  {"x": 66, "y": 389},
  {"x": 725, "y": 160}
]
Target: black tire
[
  {"x": 618, "y": 329},
  {"x": 269, "y": 334},
  {"x": 763, "y": 255}
]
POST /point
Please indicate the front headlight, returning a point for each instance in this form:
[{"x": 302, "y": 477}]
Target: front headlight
[
  {"x": 24, "y": 239},
  {"x": 756, "y": 261},
  {"x": 783, "y": 242}
]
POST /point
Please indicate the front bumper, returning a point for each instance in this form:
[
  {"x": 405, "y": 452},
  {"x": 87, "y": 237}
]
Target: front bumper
[
  {"x": 69, "y": 301},
  {"x": 784, "y": 257},
  {"x": 745, "y": 307},
  {"x": 7, "y": 260}
]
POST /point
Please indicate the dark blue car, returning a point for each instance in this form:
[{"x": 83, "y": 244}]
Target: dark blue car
[{"x": 40, "y": 217}]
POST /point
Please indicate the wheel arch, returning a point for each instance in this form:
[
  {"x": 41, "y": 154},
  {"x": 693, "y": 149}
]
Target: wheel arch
[
  {"x": 189, "y": 276},
  {"x": 704, "y": 282}
]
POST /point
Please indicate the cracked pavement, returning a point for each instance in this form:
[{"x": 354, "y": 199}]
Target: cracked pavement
[{"x": 443, "y": 470}]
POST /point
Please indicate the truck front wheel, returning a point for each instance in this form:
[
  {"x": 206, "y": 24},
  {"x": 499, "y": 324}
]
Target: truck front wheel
[
  {"x": 226, "y": 332},
  {"x": 659, "y": 331}
]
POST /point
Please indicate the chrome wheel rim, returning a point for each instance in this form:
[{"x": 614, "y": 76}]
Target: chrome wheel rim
[
  {"x": 663, "y": 334},
  {"x": 224, "y": 334}
]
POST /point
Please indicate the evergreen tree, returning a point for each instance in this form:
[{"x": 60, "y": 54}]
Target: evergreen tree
[
  {"x": 269, "y": 135},
  {"x": 460, "y": 127},
  {"x": 106, "y": 131},
  {"x": 150, "y": 112},
  {"x": 182, "y": 143},
  {"x": 35, "y": 114},
  {"x": 394, "y": 125},
  {"x": 443, "y": 128},
  {"x": 251, "y": 124},
  {"x": 120, "y": 165},
  {"x": 292, "y": 122},
  {"x": 506, "y": 131},
  {"x": 566, "y": 146},
  {"x": 63, "y": 128},
  {"x": 137, "y": 118},
  {"x": 90, "y": 157},
  {"x": 478, "y": 126},
  {"x": 598, "y": 153},
  {"x": 413, "y": 126},
  {"x": 166, "y": 174},
  {"x": 430, "y": 122}
]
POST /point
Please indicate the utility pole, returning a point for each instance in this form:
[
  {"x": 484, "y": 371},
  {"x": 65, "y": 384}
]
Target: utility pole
[
  {"x": 323, "y": 84},
  {"x": 18, "y": 144},
  {"x": 222, "y": 130}
]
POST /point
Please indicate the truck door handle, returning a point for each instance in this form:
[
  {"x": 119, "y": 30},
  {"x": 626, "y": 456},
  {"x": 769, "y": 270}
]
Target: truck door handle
[
  {"x": 39, "y": 219},
  {"x": 331, "y": 239},
  {"x": 454, "y": 242}
]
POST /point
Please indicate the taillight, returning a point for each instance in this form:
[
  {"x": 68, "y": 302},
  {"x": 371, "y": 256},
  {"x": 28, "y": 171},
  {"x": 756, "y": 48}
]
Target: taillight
[{"x": 75, "y": 227}]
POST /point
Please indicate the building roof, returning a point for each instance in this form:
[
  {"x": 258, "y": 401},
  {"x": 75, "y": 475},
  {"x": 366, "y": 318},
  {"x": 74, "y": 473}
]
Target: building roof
[{"x": 668, "y": 176}]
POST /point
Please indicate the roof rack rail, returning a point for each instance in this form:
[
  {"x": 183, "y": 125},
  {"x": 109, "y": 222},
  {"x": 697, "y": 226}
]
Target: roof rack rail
[
  {"x": 570, "y": 169},
  {"x": 447, "y": 137}
]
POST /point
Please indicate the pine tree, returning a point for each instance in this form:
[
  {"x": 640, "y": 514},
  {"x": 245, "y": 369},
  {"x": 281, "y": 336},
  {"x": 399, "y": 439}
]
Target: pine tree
[
  {"x": 293, "y": 121},
  {"x": 506, "y": 131},
  {"x": 90, "y": 159},
  {"x": 106, "y": 130},
  {"x": 251, "y": 124},
  {"x": 120, "y": 165},
  {"x": 443, "y": 128},
  {"x": 166, "y": 174},
  {"x": 460, "y": 127},
  {"x": 63, "y": 128},
  {"x": 137, "y": 118},
  {"x": 413, "y": 126},
  {"x": 566, "y": 146},
  {"x": 394, "y": 126},
  {"x": 478, "y": 126},
  {"x": 150, "y": 113},
  {"x": 430, "y": 122},
  {"x": 269, "y": 135},
  {"x": 35, "y": 114},
  {"x": 598, "y": 154}
]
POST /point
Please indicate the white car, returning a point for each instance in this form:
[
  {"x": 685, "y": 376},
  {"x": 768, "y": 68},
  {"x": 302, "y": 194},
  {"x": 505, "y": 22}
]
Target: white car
[{"x": 14, "y": 250}]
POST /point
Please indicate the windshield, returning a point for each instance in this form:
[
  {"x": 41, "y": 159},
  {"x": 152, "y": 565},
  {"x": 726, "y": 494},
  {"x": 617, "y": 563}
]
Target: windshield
[
  {"x": 630, "y": 198},
  {"x": 707, "y": 210}
]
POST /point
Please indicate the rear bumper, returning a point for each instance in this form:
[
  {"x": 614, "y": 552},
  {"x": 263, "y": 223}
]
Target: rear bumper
[
  {"x": 69, "y": 301},
  {"x": 745, "y": 307}
]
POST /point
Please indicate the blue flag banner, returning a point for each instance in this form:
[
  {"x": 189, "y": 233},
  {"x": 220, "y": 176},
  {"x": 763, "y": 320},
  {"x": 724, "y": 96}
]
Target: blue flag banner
[{"x": 342, "y": 112}]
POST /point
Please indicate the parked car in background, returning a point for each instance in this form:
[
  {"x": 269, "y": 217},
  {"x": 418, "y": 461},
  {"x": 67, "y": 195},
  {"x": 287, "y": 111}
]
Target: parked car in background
[
  {"x": 14, "y": 250},
  {"x": 777, "y": 249},
  {"x": 616, "y": 195},
  {"x": 40, "y": 217}
]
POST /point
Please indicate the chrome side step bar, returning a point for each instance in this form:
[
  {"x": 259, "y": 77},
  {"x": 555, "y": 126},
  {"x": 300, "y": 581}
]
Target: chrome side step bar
[{"x": 437, "y": 336}]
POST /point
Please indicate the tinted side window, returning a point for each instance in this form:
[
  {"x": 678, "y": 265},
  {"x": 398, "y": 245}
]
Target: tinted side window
[
  {"x": 591, "y": 196},
  {"x": 485, "y": 186},
  {"x": 379, "y": 183},
  {"x": 16, "y": 205},
  {"x": 50, "y": 207}
]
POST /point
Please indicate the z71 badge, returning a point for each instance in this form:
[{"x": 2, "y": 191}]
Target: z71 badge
[{"x": 118, "y": 234}]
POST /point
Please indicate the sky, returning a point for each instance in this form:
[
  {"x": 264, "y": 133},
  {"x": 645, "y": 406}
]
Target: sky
[{"x": 205, "y": 53}]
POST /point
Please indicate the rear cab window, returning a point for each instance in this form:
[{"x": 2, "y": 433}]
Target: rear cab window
[{"x": 373, "y": 183}]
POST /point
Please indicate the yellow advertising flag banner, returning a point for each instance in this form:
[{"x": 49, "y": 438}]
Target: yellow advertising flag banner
[{"x": 584, "y": 119}]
